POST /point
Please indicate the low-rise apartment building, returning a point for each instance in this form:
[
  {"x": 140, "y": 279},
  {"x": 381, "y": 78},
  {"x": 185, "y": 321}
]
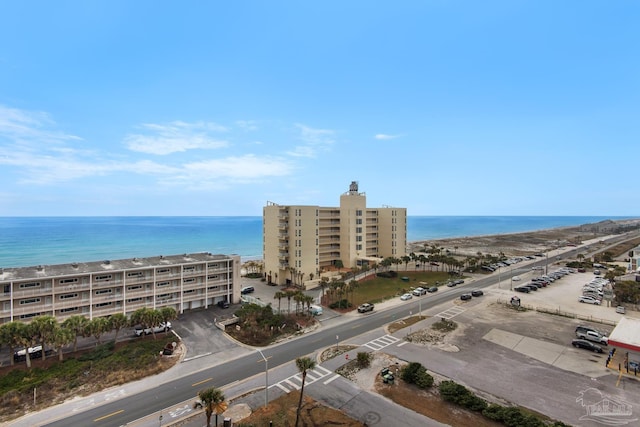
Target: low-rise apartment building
[
  {"x": 302, "y": 242},
  {"x": 98, "y": 289}
]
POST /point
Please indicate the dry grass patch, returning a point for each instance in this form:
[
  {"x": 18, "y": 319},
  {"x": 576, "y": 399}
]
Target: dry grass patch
[{"x": 403, "y": 323}]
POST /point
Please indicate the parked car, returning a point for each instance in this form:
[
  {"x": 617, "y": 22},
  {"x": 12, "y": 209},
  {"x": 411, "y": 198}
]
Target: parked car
[
  {"x": 586, "y": 345},
  {"x": 516, "y": 278},
  {"x": 465, "y": 297},
  {"x": 162, "y": 327},
  {"x": 458, "y": 281},
  {"x": 247, "y": 290},
  {"x": 523, "y": 289},
  {"x": 363, "y": 308},
  {"x": 223, "y": 304},
  {"x": 620, "y": 309},
  {"x": 34, "y": 353},
  {"x": 597, "y": 272},
  {"x": 432, "y": 289},
  {"x": 419, "y": 291},
  {"x": 477, "y": 293},
  {"x": 452, "y": 284},
  {"x": 531, "y": 286},
  {"x": 584, "y": 328},
  {"x": 406, "y": 297},
  {"x": 589, "y": 300},
  {"x": 315, "y": 310},
  {"x": 593, "y": 336}
]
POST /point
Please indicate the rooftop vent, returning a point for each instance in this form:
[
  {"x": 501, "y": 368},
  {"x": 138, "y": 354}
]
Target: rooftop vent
[
  {"x": 107, "y": 262},
  {"x": 74, "y": 265},
  {"x": 40, "y": 267}
]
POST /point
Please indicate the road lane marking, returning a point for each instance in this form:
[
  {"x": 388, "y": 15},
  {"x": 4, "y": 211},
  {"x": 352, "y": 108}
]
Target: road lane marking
[
  {"x": 403, "y": 343},
  {"x": 201, "y": 382},
  {"x": 331, "y": 379},
  {"x": 108, "y": 415}
]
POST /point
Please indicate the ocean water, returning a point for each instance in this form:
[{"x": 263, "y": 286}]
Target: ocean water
[{"x": 28, "y": 241}]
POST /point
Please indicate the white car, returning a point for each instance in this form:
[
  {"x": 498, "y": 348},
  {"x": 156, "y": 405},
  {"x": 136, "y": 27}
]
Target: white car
[
  {"x": 589, "y": 300},
  {"x": 406, "y": 297},
  {"x": 516, "y": 278},
  {"x": 160, "y": 328},
  {"x": 419, "y": 291}
]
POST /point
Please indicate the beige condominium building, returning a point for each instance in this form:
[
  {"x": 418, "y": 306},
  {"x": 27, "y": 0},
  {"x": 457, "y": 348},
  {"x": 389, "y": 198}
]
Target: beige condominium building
[
  {"x": 97, "y": 289},
  {"x": 300, "y": 243}
]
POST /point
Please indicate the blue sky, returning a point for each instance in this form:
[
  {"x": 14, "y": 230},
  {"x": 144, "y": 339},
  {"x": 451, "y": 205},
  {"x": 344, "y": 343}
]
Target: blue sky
[{"x": 214, "y": 108}]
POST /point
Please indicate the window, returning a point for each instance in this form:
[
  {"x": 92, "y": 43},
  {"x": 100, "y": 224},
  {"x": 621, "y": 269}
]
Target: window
[
  {"x": 133, "y": 288},
  {"x": 103, "y": 304},
  {"x": 134, "y": 299},
  {"x": 68, "y": 310},
  {"x": 68, "y": 296},
  {"x": 358, "y": 212},
  {"x": 135, "y": 274},
  {"x": 191, "y": 280},
  {"x": 30, "y": 315},
  {"x": 71, "y": 280},
  {"x": 28, "y": 285},
  {"x": 103, "y": 291},
  {"x": 189, "y": 291},
  {"x": 30, "y": 301},
  {"x": 160, "y": 284},
  {"x": 189, "y": 268},
  {"x": 163, "y": 270},
  {"x": 103, "y": 277},
  {"x": 359, "y": 221}
]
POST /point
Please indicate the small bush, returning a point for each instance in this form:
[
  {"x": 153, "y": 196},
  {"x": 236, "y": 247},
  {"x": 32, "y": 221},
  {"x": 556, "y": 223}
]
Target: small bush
[
  {"x": 415, "y": 373},
  {"x": 343, "y": 303},
  {"x": 363, "y": 359},
  {"x": 460, "y": 395}
]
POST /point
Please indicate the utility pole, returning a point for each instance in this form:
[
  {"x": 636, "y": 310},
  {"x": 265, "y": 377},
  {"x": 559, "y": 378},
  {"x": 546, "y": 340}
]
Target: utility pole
[{"x": 266, "y": 377}]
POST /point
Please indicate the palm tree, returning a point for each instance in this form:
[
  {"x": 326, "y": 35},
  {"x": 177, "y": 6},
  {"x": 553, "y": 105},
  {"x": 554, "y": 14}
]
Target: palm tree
[
  {"x": 45, "y": 327},
  {"x": 62, "y": 337},
  {"x": 213, "y": 402},
  {"x": 304, "y": 364},
  {"x": 279, "y": 295},
  {"x": 168, "y": 314},
  {"x": 308, "y": 300},
  {"x": 27, "y": 337},
  {"x": 289, "y": 295},
  {"x": 142, "y": 317},
  {"x": 324, "y": 282},
  {"x": 97, "y": 327},
  {"x": 77, "y": 325},
  {"x": 117, "y": 322},
  {"x": 10, "y": 335}
]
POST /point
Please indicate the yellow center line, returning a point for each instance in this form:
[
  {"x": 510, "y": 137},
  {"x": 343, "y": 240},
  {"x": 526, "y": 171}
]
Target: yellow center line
[
  {"x": 200, "y": 382},
  {"x": 108, "y": 415}
]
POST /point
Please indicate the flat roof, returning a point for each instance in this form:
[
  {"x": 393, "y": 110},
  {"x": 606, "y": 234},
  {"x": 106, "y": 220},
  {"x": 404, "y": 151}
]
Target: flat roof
[
  {"x": 75, "y": 268},
  {"x": 626, "y": 334}
]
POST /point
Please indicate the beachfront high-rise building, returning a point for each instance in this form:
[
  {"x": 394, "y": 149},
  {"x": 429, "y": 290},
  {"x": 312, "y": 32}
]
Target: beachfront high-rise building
[
  {"x": 102, "y": 288},
  {"x": 302, "y": 242}
]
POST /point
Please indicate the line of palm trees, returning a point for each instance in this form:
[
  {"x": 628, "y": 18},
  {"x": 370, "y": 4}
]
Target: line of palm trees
[
  {"x": 47, "y": 332},
  {"x": 301, "y": 300}
]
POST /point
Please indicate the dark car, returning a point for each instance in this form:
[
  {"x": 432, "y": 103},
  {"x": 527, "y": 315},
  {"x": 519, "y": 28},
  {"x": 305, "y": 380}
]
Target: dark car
[
  {"x": 465, "y": 297},
  {"x": 477, "y": 293},
  {"x": 363, "y": 308},
  {"x": 247, "y": 290},
  {"x": 587, "y": 345},
  {"x": 432, "y": 289},
  {"x": 458, "y": 281},
  {"x": 522, "y": 289},
  {"x": 223, "y": 304},
  {"x": 452, "y": 284},
  {"x": 531, "y": 287}
]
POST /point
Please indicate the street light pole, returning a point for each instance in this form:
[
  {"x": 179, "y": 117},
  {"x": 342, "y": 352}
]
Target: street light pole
[{"x": 266, "y": 378}]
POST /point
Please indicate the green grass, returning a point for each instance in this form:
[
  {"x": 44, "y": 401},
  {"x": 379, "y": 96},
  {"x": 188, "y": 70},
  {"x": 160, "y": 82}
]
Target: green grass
[{"x": 381, "y": 289}]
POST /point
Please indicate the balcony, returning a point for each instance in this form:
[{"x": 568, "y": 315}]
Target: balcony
[{"x": 34, "y": 292}]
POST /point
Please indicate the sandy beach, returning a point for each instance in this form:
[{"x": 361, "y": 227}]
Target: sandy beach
[{"x": 529, "y": 242}]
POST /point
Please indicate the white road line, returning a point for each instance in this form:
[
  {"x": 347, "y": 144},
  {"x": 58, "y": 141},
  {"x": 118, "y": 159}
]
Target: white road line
[
  {"x": 403, "y": 343},
  {"x": 292, "y": 384},
  {"x": 283, "y": 388},
  {"x": 331, "y": 379}
]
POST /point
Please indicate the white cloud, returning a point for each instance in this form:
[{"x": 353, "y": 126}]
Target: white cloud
[
  {"x": 248, "y": 125},
  {"x": 315, "y": 140},
  {"x": 29, "y": 127},
  {"x": 175, "y": 137},
  {"x": 385, "y": 136}
]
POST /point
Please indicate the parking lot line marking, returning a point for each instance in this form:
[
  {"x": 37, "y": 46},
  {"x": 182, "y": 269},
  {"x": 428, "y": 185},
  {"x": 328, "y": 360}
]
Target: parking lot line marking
[
  {"x": 331, "y": 379},
  {"x": 403, "y": 343},
  {"x": 201, "y": 382}
]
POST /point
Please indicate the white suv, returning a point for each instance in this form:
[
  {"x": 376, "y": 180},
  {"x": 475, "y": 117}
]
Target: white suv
[
  {"x": 593, "y": 336},
  {"x": 160, "y": 328}
]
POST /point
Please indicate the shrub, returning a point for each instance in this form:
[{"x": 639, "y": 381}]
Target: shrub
[
  {"x": 460, "y": 395},
  {"x": 343, "y": 303},
  {"x": 415, "y": 373},
  {"x": 363, "y": 359}
]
